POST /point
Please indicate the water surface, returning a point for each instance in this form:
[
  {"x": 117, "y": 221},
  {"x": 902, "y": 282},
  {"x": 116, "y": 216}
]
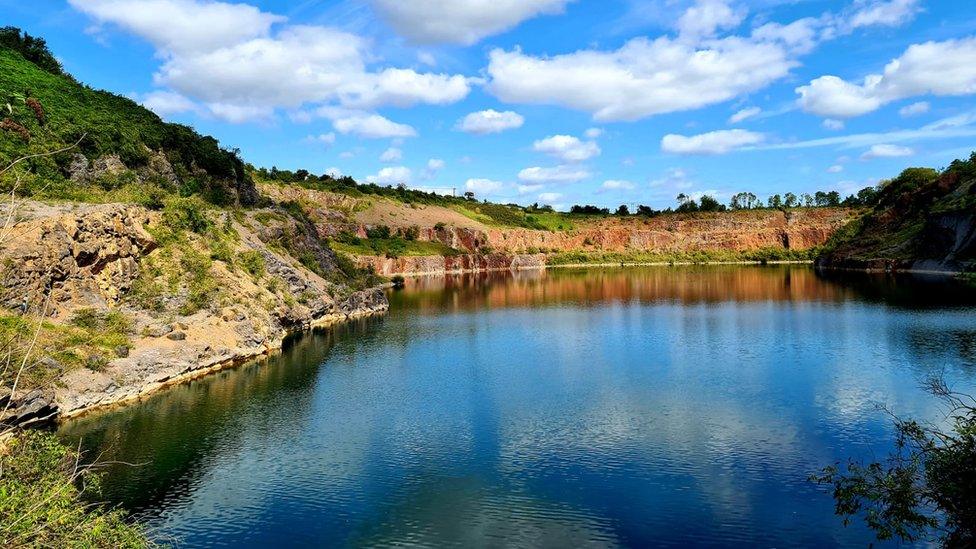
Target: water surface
[{"x": 627, "y": 407}]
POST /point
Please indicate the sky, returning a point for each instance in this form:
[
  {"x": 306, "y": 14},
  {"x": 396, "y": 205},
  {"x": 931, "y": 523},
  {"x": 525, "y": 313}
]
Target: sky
[{"x": 559, "y": 102}]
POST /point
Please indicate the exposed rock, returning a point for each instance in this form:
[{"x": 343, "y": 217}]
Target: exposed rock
[
  {"x": 78, "y": 168},
  {"x": 82, "y": 259},
  {"x": 176, "y": 336},
  {"x": 109, "y": 165},
  {"x": 36, "y": 407},
  {"x": 158, "y": 330}
]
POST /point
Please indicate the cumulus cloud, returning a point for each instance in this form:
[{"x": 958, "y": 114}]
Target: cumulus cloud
[
  {"x": 642, "y": 78},
  {"x": 529, "y": 189},
  {"x": 914, "y": 109},
  {"x": 483, "y": 186},
  {"x": 550, "y": 197},
  {"x": 167, "y": 103},
  {"x": 836, "y": 168},
  {"x": 490, "y": 121},
  {"x": 567, "y": 148},
  {"x": 391, "y": 176},
  {"x": 434, "y": 166},
  {"x": 705, "y": 17},
  {"x": 744, "y": 114},
  {"x": 937, "y": 68},
  {"x": 325, "y": 139},
  {"x": 242, "y": 61},
  {"x": 717, "y": 142},
  {"x": 182, "y": 25},
  {"x": 593, "y": 133},
  {"x": 557, "y": 174},
  {"x": 885, "y": 150},
  {"x": 371, "y": 126},
  {"x": 392, "y": 154},
  {"x": 889, "y": 13},
  {"x": 617, "y": 185},
  {"x": 460, "y": 21}
]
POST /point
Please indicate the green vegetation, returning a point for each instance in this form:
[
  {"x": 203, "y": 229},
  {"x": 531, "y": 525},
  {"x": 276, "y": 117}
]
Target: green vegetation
[
  {"x": 90, "y": 339},
  {"x": 925, "y": 488},
  {"x": 911, "y": 219},
  {"x": 379, "y": 241},
  {"x": 45, "y": 499},
  {"x": 44, "y": 110}
]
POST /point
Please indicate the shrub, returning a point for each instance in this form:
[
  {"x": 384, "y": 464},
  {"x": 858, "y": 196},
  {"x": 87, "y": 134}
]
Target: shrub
[
  {"x": 186, "y": 214},
  {"x": 253, "y": 262},
  {"x": 42, "y": 487}
]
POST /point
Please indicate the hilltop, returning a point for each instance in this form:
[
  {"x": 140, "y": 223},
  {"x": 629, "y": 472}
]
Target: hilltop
[{"x": 924, "y": 220}]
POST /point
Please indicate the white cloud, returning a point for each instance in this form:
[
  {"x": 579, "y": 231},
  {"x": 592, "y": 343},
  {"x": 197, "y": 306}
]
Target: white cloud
[
  {"x": 954, "y": 127},
  {"x": 717, "y": 142},
  {"x": 674, "y": 179},
  {"x": 744, "y": 114},
  {"x": 391, "y": 176},
  {"x": 460, "y": 21},
  {"x": 567, "y": 148},
  {"x": 937, "y": 68},
  {"x": 166, "y": 103},
  {"x": 914, "y": 109},
  {"x": 616, "y": 185},
  {"x": 550, "y": 197},
  {"x": 490, "y": 121},
  {"x": 557, "y": 174},
  {"x": 325, "y": 139},
  {"x": 593, "y": 133},
  {"x": 483, "y": 186},
  {"x": 706, "y": 17},
  {"x": 392, "y": 154},
  {"x": 182, "y": 25},
  {"x": 434, "y": 166},
  {"x": 334, "y": 172},
  {"x": 884, "y": 150},
  {"x": 834, "y": 125},
  {"x": 836, "y": 168},
  {"x": 529, "y": 189},
  {"x": 241, "y": 61},
  {"x": 640, "y": 79},
  {"x": 889, "y": 13},
  {"x": 371, "y": 126}
]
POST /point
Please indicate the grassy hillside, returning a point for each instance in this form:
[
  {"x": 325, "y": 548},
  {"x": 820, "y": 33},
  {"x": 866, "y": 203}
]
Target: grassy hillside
[
  {"x": 924, "y": 219},
  {"x": 43, "y": 110}
]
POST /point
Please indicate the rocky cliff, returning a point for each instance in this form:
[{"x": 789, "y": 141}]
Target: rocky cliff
[
  {"x": 924, "y": 220},
  {"x": 193, "y": 302}
]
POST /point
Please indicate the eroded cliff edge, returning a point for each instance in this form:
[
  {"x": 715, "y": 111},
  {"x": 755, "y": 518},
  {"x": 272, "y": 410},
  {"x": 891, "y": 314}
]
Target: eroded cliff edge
[{"x": 197, "y": 289}]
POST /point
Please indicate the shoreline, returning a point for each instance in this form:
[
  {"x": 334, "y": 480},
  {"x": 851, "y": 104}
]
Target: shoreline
[
  {"x": 204, "y": 369},
  {"x": 543, "y": 267}
]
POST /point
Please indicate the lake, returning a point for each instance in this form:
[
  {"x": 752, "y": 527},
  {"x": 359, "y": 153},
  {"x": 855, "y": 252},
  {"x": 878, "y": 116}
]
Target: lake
[{"x": 681, "y": 406}]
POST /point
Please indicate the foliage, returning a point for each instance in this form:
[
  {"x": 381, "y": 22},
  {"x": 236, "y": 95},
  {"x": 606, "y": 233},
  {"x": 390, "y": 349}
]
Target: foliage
[
  {"x": 763, "y": 255},
  {"x": 57, "y": 111},
  {"x": 391, "y": 246},
  {"x": 44, "y": 496},
  {"x": 926, "y": 487},
  {"x": 253, "y": 262}
]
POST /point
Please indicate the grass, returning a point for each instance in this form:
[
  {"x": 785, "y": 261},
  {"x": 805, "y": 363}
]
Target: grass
[
  {"x": 45, "y": 499},
  {"x": 391, "y": 247},
  {"x": 90, "y": 339},
  {"x": 103, "y": 124}
]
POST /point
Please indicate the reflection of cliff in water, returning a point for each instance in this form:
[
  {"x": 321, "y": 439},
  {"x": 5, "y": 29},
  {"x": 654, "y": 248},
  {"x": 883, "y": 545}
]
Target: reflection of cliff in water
[
  {"x": 682, "y": 284},
  {"x": 201, "y": 415}
]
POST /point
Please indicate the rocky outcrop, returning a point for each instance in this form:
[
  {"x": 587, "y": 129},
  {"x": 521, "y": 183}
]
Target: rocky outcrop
[
  {"x": 89, "y": 255},
  {"x": 59, "y": 259}
]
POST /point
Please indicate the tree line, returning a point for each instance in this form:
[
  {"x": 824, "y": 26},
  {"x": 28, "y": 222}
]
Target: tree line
[{"x": 867, "y": 196}]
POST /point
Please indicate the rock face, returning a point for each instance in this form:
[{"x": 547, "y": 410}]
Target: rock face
[
  {"x": 437, "y": 264},
  {"x": 58, "y": 259},
  {"x": 89, "y": 256},
  {"x": 922, "y": 222}
]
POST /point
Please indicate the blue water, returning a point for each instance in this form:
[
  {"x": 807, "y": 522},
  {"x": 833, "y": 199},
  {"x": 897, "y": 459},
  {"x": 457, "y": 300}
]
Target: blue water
[{"x": 631, "y": 407}]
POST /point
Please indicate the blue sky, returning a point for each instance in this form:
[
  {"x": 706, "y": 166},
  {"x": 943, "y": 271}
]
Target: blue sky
[{"x": 552, "y": 101}]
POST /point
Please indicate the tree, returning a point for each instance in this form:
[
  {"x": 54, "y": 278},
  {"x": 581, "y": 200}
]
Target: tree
[
  {"x": 775, "y": 201},
  {"x": 833, "y": 198},
  {"x": 807, "y": 200},
  {"x": 744, "y": 201},
  {"x": 622, "y": 211},
  {"x": 820, "y": 198},
  {"x": 33, "y": 49},
  {"x": 709, "y": 204},
  {"x": 926, "y": 487},
  {"x": 646, "y": 211},
  {"x": 790, "y": 200},
  {"x": 469, "y": 195},
  {"x": 867, "y": 196}
]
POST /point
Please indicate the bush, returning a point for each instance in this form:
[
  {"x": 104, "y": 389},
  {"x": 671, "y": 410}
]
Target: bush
[
  {"x": 253, "y": 262},
  {"x": 186, "y": 214},
  {"x": 41, "y": 501}
]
